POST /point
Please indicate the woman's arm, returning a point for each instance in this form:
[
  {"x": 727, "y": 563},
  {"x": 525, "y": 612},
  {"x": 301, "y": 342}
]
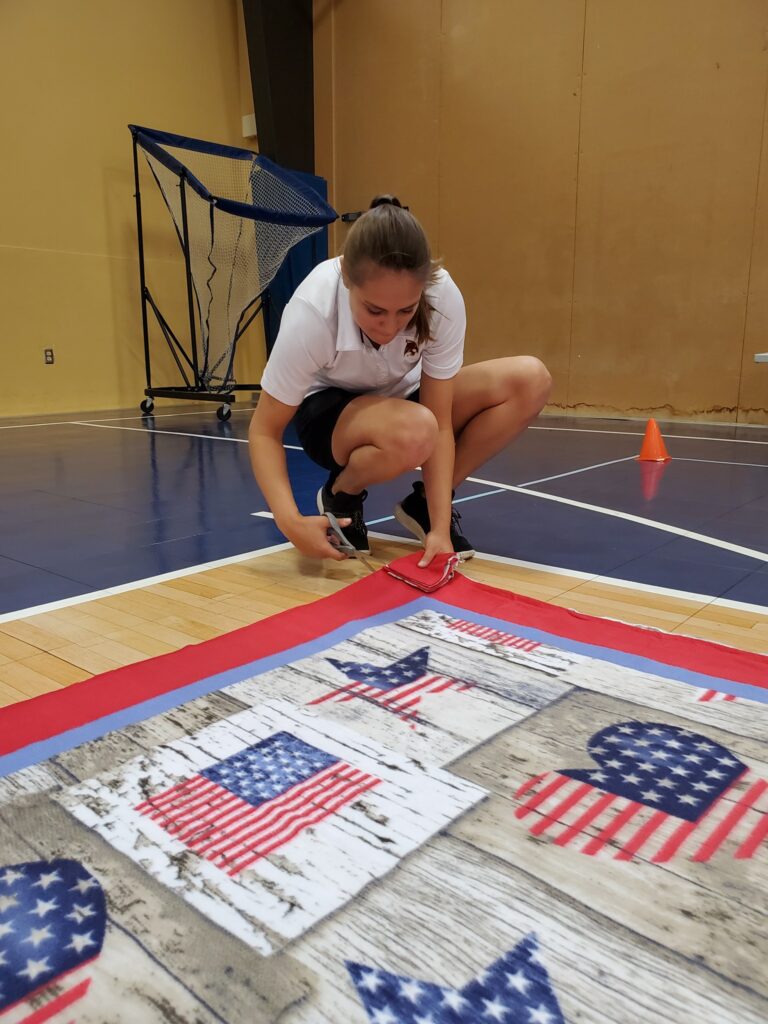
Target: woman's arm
[
  {"x": 437, "y": 396},
  {"x": 265, "y": 441}
]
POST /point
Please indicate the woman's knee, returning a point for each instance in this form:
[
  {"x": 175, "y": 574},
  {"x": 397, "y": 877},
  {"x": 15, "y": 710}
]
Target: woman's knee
[
  {"x": 522, "y": 382},
  {"x": 411, "y": 433},
  {"x": 533, "y": 382}
]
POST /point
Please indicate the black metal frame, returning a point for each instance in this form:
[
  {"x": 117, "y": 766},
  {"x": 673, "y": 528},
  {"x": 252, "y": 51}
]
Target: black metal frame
[{"x": 193, "y": 388}]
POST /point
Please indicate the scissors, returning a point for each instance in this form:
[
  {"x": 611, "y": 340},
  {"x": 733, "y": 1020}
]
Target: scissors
[{"x": 346, "y": 547}]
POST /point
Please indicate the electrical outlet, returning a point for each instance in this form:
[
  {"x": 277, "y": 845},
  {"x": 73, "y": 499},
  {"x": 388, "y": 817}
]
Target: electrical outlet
[{"x": 48, "y": 355}]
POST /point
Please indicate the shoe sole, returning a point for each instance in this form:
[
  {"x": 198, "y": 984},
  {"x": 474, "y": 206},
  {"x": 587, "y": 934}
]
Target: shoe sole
[
  {"x": 413, "y": 526},
  {"x": 335, "y": 522}
]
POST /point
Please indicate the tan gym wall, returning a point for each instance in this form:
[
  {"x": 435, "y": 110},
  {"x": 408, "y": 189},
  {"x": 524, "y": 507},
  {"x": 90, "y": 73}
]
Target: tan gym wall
[
  {"x": 74, "y": 74},
  {"x": 590, "y": 171}
]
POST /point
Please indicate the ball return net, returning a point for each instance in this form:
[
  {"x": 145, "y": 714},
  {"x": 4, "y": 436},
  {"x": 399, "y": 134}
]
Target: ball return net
[{"x": 236, "y": 215}]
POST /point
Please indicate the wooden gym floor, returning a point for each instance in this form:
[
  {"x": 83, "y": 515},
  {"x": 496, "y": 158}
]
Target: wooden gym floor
[{"x": 50, "y": 650}]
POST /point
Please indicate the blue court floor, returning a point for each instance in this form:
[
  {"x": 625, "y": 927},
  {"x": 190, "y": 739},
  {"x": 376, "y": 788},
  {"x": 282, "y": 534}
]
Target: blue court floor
[{"x": 96, "y": 502}]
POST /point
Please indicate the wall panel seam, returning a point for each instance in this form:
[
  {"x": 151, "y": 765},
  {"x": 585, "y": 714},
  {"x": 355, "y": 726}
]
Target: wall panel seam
[
  {"x": 333, "y": 230},
  {"x": 755, "y": 212},
  {"x": 576, "y": 208},
  {"x": 439, "y": 130}
]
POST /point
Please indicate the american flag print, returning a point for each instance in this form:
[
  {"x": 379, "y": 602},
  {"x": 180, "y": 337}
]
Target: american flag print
[
  {"x": 703, "y": 695},
  {"x": 252, "y": 803},
  {"x": 515, "y": 988},
  {"x": 52, "y": 923},
  {"x": 517, "y": 650},
  {"x": 493, "y": 636},
  {"x": 270, "y": 819},
  {"x": 398, "y": 687},
  {"x": 658, "y": 791}
]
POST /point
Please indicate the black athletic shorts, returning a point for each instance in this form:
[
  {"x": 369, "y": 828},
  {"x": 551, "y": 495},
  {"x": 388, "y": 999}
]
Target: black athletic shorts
[{"x": 315, "y": 421}]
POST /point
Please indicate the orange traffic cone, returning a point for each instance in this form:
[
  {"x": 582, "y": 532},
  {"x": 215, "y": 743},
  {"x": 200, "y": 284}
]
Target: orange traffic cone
[{"x": 653, "y": 448}]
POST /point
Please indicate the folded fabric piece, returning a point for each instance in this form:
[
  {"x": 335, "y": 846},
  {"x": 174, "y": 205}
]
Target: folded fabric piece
[{"x": 439, "y": 572}]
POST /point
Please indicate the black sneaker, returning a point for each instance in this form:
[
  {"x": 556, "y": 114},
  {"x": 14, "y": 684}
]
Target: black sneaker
[
  {"x": 346, "y": 506},
  {"x": 413, "y": 514}
]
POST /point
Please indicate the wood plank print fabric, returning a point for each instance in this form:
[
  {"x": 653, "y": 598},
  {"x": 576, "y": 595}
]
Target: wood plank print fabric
[{"x": 437, "y": 814}]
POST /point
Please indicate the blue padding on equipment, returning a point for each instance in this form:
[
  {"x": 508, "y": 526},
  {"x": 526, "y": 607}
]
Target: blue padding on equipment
[
  {"x": 302, "y": 258},
  {"x": 198, "y": 145},
  {"x": 153, "y": 141}
]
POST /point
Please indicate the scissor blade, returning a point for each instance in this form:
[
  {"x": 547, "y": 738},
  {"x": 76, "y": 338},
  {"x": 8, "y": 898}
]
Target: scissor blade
[
  {"x": 366, "y": 561},
  {"x": 348, "y": 549}
]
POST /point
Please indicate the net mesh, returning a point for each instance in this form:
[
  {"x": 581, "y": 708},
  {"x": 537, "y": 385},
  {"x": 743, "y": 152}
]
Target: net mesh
[{"x": 233, "y": 258}]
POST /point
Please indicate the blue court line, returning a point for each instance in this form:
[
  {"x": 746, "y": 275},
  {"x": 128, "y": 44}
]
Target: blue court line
[
  {"x": 45, "y": 749},
  {"x": 471, "y": 497},
  {"x": 483, "y": 494}
]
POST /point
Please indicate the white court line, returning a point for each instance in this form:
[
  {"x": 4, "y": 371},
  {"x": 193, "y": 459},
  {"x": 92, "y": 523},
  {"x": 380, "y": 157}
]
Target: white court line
[
  {"x": 720, "y": 462},
  {"x": 103, "y": 425},
  {"x": 759, "y": 556},
  {"x": 95, "y": 595},
  {"x": 178, "y": 433},
  {"x": 150, "y": 581},
  {"x": 298, "y": 448},
  {"x": 168, "y": 415},
  {"x": 499, "y": 488},
  {"x": 294, "y": 447},
  {"x": 571, "y": 472},
  {"x": 568, "y": 430},
  {"x": 109, "y": 419},
  {"x": 173, "y": 433},
  {"x": 669, "y": 437}
]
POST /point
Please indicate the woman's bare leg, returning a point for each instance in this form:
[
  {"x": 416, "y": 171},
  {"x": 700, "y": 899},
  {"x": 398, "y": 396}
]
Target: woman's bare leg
[
  {"x": 493, "y": 402},
  {"x": 377, "y": 439}
]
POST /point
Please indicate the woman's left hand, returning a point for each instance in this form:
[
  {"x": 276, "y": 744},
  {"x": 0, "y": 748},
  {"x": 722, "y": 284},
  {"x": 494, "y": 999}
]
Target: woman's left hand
[{"x": 435, "y": 544}]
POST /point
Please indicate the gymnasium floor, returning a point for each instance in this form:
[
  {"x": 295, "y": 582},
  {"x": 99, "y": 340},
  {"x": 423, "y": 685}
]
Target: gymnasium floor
[{"x": 91, "y": 504}]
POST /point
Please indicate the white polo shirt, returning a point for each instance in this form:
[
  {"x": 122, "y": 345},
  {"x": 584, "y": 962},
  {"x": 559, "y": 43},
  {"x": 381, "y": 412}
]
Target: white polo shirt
[{"x": 319, "y": 345}]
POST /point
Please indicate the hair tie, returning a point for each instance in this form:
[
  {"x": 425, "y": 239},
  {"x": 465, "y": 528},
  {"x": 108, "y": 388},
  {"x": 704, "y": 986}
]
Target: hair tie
[{"x": 386, "y": 200}]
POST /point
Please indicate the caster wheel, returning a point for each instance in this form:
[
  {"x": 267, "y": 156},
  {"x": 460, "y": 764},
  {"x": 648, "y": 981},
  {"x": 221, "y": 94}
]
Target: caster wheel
[
  {"x": 224, "y": 412},
  {"x": 147, "y": 406}
]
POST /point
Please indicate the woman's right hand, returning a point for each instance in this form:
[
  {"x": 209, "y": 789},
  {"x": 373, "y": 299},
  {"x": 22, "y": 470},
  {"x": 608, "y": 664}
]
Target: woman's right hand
[{"x": 310, "y": 534}]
